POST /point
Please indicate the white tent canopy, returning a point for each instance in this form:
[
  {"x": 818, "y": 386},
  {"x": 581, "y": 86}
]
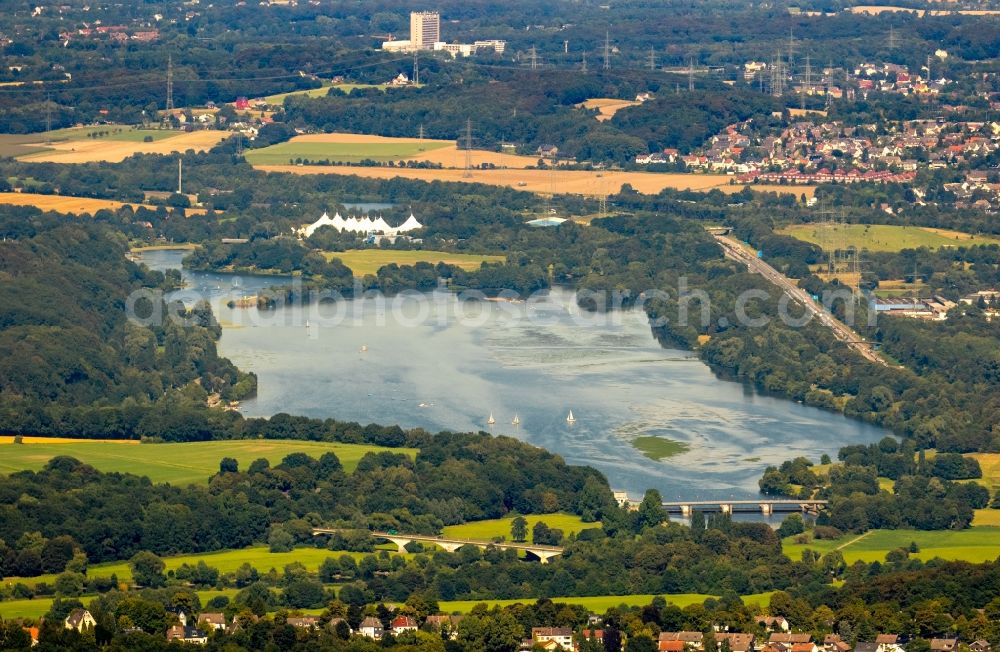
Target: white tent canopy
[{"x": 360, "y": 225}]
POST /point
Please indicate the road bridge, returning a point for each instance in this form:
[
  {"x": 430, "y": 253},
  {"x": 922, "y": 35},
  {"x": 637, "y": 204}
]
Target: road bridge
[
  {"x": 766, "y": 507},
  {"x": 733, "y": 250},
  {"x": 540, "y": 552}
]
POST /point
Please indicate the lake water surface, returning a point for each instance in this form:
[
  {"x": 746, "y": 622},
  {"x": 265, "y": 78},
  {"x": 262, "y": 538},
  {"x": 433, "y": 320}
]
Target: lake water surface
[{"x": 440, "y": 363}]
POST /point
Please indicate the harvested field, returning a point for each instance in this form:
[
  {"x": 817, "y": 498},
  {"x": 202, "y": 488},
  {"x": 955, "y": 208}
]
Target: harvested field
[
  {"x": 115, "y": 151},
  {"x": 579, "y": 182},
  {"x": 64, "y": 204},
  {"x": 606, "y": 107}
]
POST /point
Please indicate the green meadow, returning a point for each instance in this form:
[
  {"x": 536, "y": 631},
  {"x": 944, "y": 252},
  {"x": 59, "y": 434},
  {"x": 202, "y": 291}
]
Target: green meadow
[
  {"x": 227, "y": 561},
  {"x": 500, "y": 527},
  {"x": 37, "y": 607},
  {"x": 180, "y": 463},
  {"x": 977, "y": 544},
  {"x": 880, "y": 237},
  {"x": 285, "y": 153},
  {"x": 601, "y": 603}
]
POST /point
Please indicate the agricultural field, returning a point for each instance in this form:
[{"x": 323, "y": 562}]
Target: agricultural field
[
  {"x": 990, "y": 464},
  {"x": 76, "y": 205},
  {"x": 279, "y": 98},
  {"x": 606, "y": 107},
  {"x": 369, "y": 261},
  {"x": 545, "y": 182},
  {"x": 179, "y": 463},
  {"x": 226, "y": 561},
  {"x": 500, "y": 527},
  {"x": 881, "y": 237},
  {"x": 601, "y": 603},
  {"x": 977, "y": 544},
  {"x": 75, "y": 146},
  {"x": 343, "y": 148}
]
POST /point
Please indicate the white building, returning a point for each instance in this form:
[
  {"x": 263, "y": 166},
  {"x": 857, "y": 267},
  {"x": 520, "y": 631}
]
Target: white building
[{"x": 425, "y": 29}]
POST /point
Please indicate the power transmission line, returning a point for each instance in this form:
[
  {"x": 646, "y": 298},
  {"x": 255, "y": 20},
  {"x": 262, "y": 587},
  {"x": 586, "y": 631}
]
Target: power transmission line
[
  {"x": 48, "y": 119},
  {"x": 170, "y": 82},
  {"x": 777, "y": 76},
  {"x": 416, "y": 66},
  {"x": 534, "y": 58},
  {"x": 807, "y": 86},
  {"x": 468, "y": 149},
  {"x": 607, "y": 50},
  {"x": 652, "y": 58},
  {"x": 583, "y": 66},
  {"x": 690, "y": 73}
]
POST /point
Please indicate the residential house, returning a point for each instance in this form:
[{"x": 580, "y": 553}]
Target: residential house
[
  {"x": 787, "y": 638},
  {"x": 888, "y": 643},
  {"x": 303, "y": 622},
  {"x": 402, "y": 624},
  {"x": 186, "y": 634},
  {"x": 980, "y": 646},
  {"x": 833, "y": 643},
  {"x": 597, "y": 634},
  {"x": 804, "y": 647},
  {"x": 560, "y": 636},
  {"x": 80, "y": 619},
  {"x": 446, "y": 625},
  {"x": 678, "y": 641},
  {"x": 738, "y": 642},
  {"x": 548, "y": 151},
  {"x": 372, "y": 628},
  {"x": 33, "y": 633},
  {"x": 944, "y": 644},
  {"x": 212, "y": 620}
]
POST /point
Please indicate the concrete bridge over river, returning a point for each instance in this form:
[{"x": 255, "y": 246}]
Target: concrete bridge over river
[
  {"x": 542, "y": 553},
  {"x": 765, "y": 507}
]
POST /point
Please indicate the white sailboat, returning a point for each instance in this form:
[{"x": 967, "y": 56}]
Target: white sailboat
[
  {"x": 570, "y": 418},
  {"x": 517, "y": 420},
  {"x": 491, "y": 420},
  {"x": 364, "y": 347}
]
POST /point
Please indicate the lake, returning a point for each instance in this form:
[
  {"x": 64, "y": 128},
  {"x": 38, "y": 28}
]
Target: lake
[{"x": 440, "y": 363}]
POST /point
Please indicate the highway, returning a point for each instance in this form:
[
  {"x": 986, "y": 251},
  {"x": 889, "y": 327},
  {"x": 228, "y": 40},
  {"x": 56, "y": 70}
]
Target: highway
[{"x": 841, "y": 331}]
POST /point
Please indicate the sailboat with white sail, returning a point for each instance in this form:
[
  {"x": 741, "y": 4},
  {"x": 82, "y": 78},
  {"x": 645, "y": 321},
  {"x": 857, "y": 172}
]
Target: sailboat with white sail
[{"x": 570, "y": 418}]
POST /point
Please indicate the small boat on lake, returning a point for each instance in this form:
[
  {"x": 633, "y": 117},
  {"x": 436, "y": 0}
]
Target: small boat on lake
[{"x": 570, "y": 418}]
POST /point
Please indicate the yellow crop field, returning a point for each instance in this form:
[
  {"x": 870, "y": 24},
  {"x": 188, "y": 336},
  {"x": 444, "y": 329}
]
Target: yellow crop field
[
  {"x": 114, "y": 151},
  {"x": 547, "y": 182},
  {"x": 65, "y": 204},
  {"x": 369, "y": 261},
  {"x": 541, "y": 181},
  {"x": 606, "y": 107},
  {"x": 27, "y": 439}
]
